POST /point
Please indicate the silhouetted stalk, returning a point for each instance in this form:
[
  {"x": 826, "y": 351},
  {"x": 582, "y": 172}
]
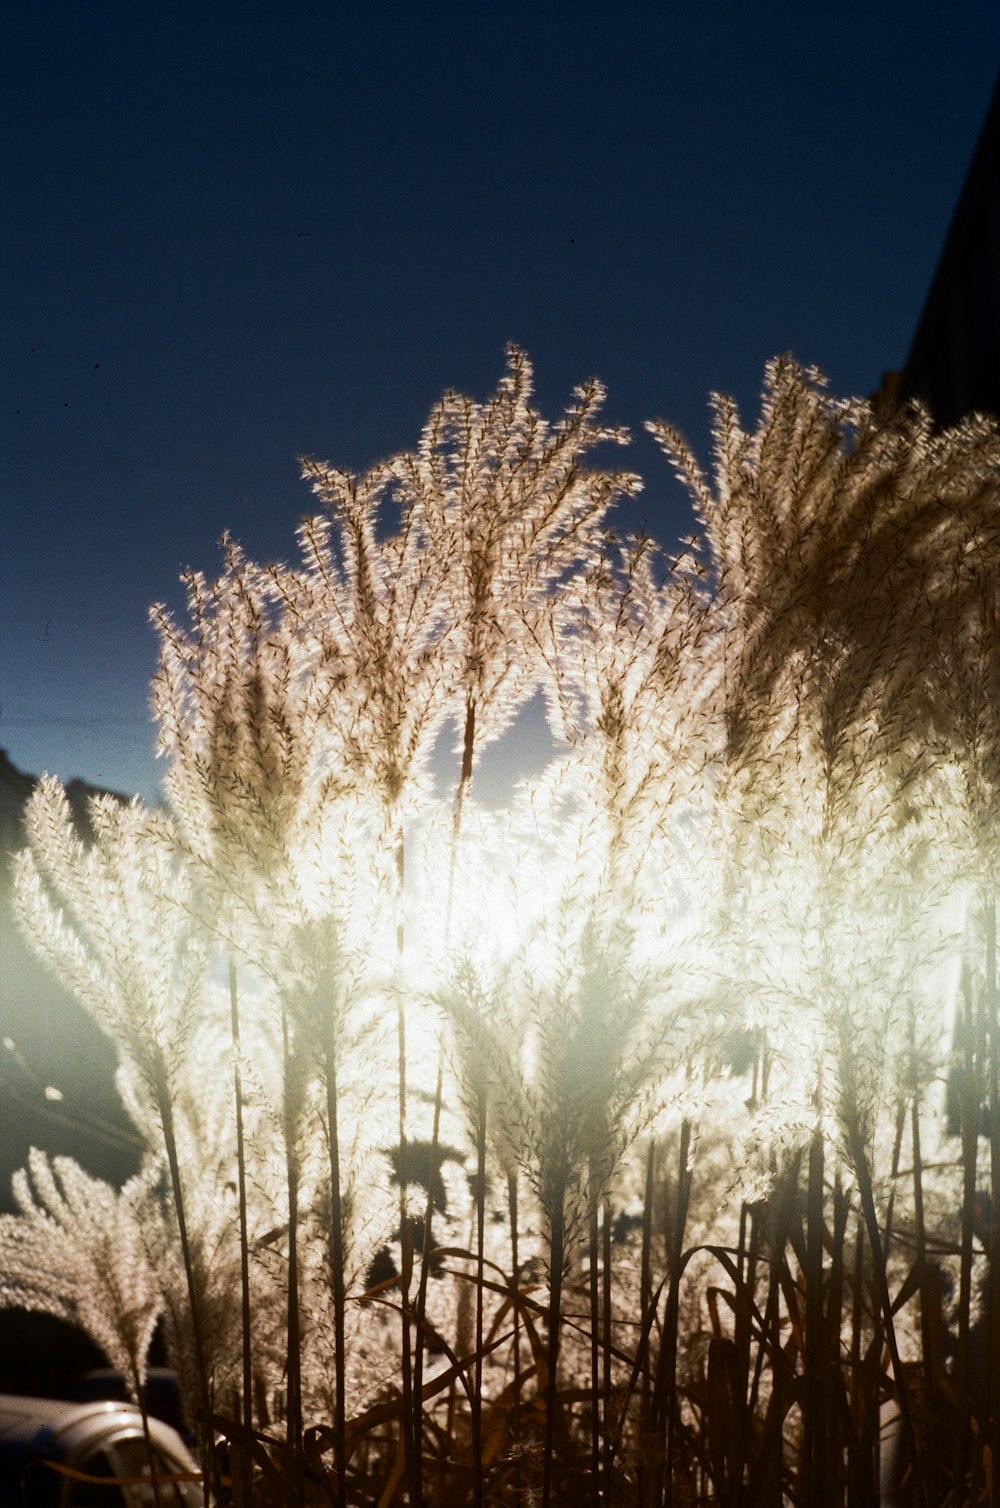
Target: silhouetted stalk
[
  {"x": 741, "y": 1241},
  {"x": 862, "y": 1169},
  {"x": 928, "y": 1333},
  {"x": 421, "y": 1307},
  {"x": 477, "y": 1391},
  {"x": 743, "y": 1332},
  {"x": 465, "y": 778},
  {"x": 814, "y": 1390},
  {"x": 557, "y": 1246},
  {"x": 769, "y": 1452},
  {"x": 646, "y": 1281},
  {"x": 608, "y": 1340},
  {"x": 595, "y": 1353},
  {"x": 293, "y": 1360},
  {"x": 246, "y": 1412},
  {"x": 992, "y": 1348},
  {"x": 897, "y": 1149},
  {"x": 514, "y": 1423},
  {"x": 781, "y": 1210},
  {"x": 465, "y": 774},
  {"x": 919, "y": 1225},
  {"x": 969, "y": 1102},
  {"x": 410, "y": 1452},
  {"x": 664, "y": 1406},
  {"x": 865, "y": 1405},
  {"x": 887, "y": 1235},
  {"x": 399, "y": 864},
  {"x": 166, "y": 1112},
  {"x": 464, "y": 781},
  {"x": 337, "y": 1278},
  {"x": 835, "y": 1434},
  {"x": 154, "y": 1467},
  {"x": 680, "y": 1224}
]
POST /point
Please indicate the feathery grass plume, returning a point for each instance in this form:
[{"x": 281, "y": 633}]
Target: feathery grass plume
[
  {"x": 252, "y": 773},
  {"x": 628, "y": 677},
  {"x": 559, "y": 1044},
  {"x": 367, "y": 610},
  {"x": 495, "y": 511},
  {"x": 77, "y": 1250},
  {"x": 841, "y": 946},
  {"x": 963, "y": 694},
  {"x": 330, "y": 1010},
  {"x": 201, "y": 1281},
  {"x": 508, "y": 505},
  {"x": 828, "y": 534},
  {"x": 202, "y": 1335},
  {"x": 631, "y": 686},
  {"x": 368, "y": 627},
  {"x": 962, "y": 671},
  {"x": 777, "y": 778},
  {"x": 823, "y": 534},
  {"x": 623, "y": 674},
  {"x": 111, "y": 920},
  {"x": 271, "y": 826},
  {"x": 235, "y": 780}
]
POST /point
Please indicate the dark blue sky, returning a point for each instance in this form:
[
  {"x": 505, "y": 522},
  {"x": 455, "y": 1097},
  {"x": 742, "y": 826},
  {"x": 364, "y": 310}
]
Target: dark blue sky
[{"x": 233, "y": 235}]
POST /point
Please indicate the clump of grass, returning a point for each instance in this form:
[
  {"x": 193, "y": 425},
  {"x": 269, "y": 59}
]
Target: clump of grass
[{"x": 599, "y": 1150}]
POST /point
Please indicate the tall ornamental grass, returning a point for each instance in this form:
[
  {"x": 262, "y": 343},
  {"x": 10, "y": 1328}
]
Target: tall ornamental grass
[{"x": 639, "y": 1142}]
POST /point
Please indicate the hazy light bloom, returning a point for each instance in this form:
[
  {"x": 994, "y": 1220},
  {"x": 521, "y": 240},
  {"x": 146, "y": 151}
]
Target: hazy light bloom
[
  {"x": 600, "y": 1044},
  {"x": 477, "y": 897},
  {"x": 630, "y": 676},
  {"x": 78, "y": 1250},
  {"x": 827, "y": 935},
  {"x": 486, "y": 1015}
]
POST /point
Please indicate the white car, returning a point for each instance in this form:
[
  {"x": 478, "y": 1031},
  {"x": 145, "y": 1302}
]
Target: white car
[{"x": 49, "y": 1449}]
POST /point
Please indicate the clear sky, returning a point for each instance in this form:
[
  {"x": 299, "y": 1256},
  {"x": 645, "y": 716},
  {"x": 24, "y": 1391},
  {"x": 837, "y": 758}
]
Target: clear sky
[{"x": 237, "y": 233}]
